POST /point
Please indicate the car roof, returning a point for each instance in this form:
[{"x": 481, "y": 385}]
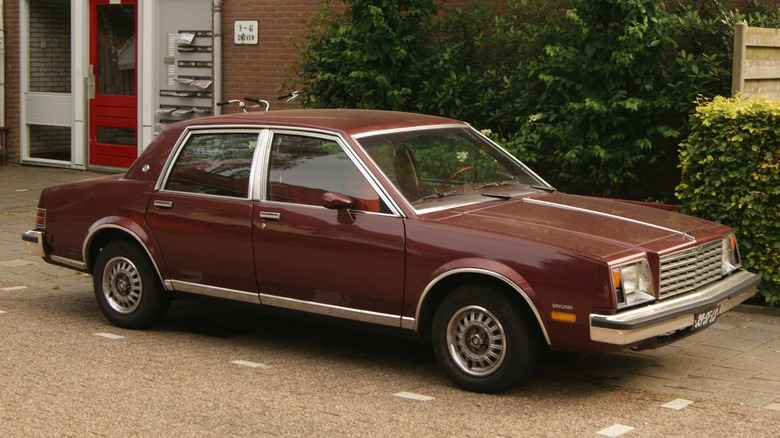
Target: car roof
[{"x": 348, "y": 121}]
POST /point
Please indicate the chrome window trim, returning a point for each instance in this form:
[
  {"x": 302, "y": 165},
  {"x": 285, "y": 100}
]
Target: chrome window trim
[
  {"x": 433, "y": 209},
  {"x": 338, "y": 139},
  {"x": 408, "y": 129},
  {"x": 202, "y": 130},
  {"x": 260, "y": 160},
  {"x": 260, "y": 166}
]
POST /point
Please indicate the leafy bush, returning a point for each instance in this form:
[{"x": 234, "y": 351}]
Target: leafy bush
[
  {"x": 731, "y": 174},
  {"x": 369, "y": 54},
  {"x": 596, "y": 94}
]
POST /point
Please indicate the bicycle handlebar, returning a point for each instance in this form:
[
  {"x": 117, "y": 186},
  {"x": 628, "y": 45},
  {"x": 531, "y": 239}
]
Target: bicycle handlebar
[
  {"x": 289, "y": 96},
  {"x": 242, "y": 103}
]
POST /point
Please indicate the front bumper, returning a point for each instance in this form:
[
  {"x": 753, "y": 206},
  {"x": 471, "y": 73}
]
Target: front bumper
[
  {"x": 672, "y": 315},
  {"x": 34, "y": 241}
]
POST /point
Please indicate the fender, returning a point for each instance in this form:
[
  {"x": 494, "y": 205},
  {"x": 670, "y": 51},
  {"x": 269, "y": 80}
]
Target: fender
[
  {"x": 132, "y": 229},
  {"x": 489, "y": 268}
]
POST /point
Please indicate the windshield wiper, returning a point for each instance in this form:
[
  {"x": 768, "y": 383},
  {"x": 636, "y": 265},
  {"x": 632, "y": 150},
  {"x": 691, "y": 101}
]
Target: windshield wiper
[
  {"x": 438, "y": 195},
  {"x": 503, "y": 196},
  {"x": 545, "y": 188},
  {"x": 497, "y": 184}
]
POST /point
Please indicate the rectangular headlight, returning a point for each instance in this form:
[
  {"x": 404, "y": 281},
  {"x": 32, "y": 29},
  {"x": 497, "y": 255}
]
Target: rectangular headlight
[{"x": 633, "y": 284}]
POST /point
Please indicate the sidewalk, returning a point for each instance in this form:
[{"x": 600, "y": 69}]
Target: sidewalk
[
  {"x": 737, "y": 360},
  {"x": 20, "y": 187}
]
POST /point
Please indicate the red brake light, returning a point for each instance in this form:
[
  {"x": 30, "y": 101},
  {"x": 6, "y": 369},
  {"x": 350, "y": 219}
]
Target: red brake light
[{"x": 40, "y": 218}]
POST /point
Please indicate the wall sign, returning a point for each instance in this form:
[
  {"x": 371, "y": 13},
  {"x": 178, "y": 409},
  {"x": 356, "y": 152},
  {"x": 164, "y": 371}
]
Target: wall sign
[{"x": 246, "y": 32}]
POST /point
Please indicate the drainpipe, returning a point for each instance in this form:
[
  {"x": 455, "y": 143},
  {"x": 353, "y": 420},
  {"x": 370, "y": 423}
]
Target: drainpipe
[
  {"x": 217, "y": 51},
  {"x": 2, "y": 82}
]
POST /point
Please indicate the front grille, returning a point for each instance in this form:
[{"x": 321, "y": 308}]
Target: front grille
[{"x": 689, "y": 269}]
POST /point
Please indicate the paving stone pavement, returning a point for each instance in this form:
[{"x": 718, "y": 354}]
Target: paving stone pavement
[{"x": 737, "y": 360}]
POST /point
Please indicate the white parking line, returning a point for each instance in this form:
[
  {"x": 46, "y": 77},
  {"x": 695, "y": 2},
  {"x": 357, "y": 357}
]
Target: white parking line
[
  {"x": 615, "y": 430},
  {"x": 413, "y": 396},
  {"x": 2, "y": 311},
  {"x": 677, "y": 404},
  {"x": 13, "y": 288},
  {"x": 773, "y": 406},
  {"x": 109, "y": 335},
  {"x": 246, "y": 363}
]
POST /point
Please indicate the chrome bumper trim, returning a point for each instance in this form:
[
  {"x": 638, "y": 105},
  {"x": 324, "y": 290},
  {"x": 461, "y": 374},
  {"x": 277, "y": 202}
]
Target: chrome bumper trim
[
  {"x": 34, "y": 241},
  {"x": 674, "y": 314}
]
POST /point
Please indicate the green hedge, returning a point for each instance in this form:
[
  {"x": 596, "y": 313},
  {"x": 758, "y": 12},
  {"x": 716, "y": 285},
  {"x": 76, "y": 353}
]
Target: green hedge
[
  {"x": 731, "y": 174},
  {"x": 594, "y": 94}
]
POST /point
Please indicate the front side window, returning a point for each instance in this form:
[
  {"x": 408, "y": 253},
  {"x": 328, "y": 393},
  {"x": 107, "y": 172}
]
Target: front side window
[
  {"x": 214, "y": 164},
  {"x": 303, "y": 168}
]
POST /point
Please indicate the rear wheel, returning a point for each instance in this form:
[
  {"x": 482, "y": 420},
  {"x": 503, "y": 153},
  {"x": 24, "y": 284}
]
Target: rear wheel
[
  {"x": 483, "y": 341},
  {"x": 127, "y": 288}
]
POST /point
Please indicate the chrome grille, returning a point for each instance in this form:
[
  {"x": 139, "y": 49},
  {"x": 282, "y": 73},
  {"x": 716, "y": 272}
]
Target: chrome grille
[{"x": 686, "y": 270}]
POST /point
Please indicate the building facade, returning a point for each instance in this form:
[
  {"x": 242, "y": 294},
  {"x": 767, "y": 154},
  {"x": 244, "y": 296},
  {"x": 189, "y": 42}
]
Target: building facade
[{"x": 89, "y": 83}]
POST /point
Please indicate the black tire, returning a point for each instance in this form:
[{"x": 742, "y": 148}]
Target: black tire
[
  {"x": 127, "y": 288},
  {"x": 483, "y": 341}
]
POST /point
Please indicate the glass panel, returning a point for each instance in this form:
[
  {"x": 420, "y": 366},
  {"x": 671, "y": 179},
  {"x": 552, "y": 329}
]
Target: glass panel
[
  {"x": 116, "y": 50},
  {"x": 123, "y": 136},
  {"x": 50, "y": 142},
  {"x": 49, "y": 46},
  {"x": 302, "y": 169},
  {"x": 448, "y": 166},
  {"x": 214, "y": 164}
]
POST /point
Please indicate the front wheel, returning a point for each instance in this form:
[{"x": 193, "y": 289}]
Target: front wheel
[
  {"x": 127, "y": 289},
  {"x": 483, "y": 341}
]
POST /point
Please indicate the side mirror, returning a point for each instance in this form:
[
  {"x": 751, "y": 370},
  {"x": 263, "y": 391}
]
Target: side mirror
[{"x": 341, "y": 203}]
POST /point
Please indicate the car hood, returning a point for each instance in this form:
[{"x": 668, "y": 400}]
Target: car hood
[{"x": 595, "y": 227}]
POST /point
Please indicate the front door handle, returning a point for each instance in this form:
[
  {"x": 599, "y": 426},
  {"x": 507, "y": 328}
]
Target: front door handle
[
  {"x": 163, "y": 204},
  {"x": 270, "y": 216}
]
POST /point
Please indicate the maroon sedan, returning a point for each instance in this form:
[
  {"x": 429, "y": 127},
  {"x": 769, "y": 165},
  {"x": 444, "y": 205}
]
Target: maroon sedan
[{"x": 407, "y": 221}]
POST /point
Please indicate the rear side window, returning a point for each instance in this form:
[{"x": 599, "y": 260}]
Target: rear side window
[
  {"x": 303, "y": 168},
  {"x": 214, "y": 164}
]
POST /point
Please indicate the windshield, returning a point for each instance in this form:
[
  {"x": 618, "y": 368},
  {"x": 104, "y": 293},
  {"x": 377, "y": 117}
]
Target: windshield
[{"x": 442, "y": 167}]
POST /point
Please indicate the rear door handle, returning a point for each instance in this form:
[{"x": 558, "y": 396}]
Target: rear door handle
[
  {"x": 270, "y": 216},
  {"x": 163, "y": 204}
]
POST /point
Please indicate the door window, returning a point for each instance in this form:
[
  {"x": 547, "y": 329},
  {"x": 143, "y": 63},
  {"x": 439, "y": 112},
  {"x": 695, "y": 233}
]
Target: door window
[
  {"x": 214, "y": 164},
  {"x": 303, "y": 168}
]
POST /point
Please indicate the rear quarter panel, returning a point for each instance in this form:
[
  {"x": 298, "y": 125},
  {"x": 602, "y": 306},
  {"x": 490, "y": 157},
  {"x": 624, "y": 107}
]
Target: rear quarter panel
[{"x": 72, "y": 209}]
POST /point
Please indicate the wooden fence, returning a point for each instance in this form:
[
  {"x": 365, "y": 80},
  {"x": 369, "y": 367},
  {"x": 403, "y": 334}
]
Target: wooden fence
[{"x": 756, "y": 62}]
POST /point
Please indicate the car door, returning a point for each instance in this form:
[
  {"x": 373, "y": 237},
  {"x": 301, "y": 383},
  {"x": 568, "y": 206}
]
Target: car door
[
  {"x": 307, "y": 256},
  {"x": 201, "y": 216}
]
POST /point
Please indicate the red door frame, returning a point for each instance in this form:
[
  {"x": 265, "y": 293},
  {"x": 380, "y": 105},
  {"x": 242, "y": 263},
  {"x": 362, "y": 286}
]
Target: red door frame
[{"x": 111, "y": 110}]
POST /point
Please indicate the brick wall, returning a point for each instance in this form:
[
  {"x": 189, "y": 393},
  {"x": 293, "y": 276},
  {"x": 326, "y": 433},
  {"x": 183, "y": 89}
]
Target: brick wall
[
  {"x": 11, "y": 24},
  {"x": 259, "y": 70}
]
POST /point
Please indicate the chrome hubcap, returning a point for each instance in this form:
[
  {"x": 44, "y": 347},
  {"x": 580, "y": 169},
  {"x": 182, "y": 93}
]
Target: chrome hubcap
[
  {"x": 122, "y": 286},
  {"x": 476, "y": 341}
]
